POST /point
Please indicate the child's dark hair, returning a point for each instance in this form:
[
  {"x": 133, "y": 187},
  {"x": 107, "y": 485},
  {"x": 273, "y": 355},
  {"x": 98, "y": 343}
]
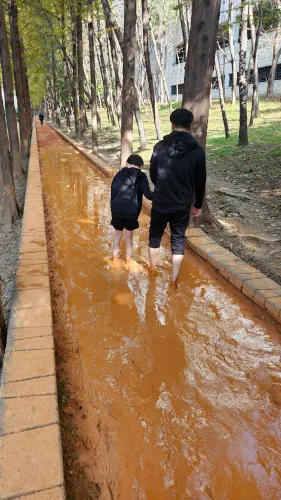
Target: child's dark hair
[
  {"x": 135, "y": 160},
  {"x": 182, "y": 117}
]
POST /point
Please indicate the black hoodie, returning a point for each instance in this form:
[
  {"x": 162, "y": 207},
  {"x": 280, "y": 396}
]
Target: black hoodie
[
  {"x": 178, "y": 171},
  {"x": 127, "y": 190}
]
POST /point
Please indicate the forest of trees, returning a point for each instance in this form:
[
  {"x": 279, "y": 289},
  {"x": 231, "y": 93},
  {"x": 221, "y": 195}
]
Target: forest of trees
[{"x": 67, "y": 57}]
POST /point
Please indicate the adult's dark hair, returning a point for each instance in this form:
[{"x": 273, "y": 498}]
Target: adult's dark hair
[
  {"x": 135, "y": 160},
  {"x": 182, "y": 118}
]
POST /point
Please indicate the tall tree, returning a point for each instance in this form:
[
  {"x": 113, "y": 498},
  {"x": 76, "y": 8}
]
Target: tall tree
[
  {"x": 199, "y": 70},
  {"x": 93, "y": 78},
  {"x": 201, "y": 59},
  {"x": 117, "y": 69},
  {"x": 66, "y": 72},
  {"x": 255, "y": 96},
  {"x": 160, "y": 66},
  {"x": 243, "y": 128},
  {"x": 8, "y": 205},
  {"x": 184, "y": 25},
  {"x": 72, "y": 4},
  {"x": 105, "y": 77},
  {"x": 81, "y": 87},
  {"x": 9, "y": 103},
  {"x": 128, "y": 91},
  {"x": 275, "y": 57},
  {"x": 221, "y": 94},
  {"x": 197, "y": 82},
  {"x": 112, "y": 21},
  {"x": 19, "y": 83},
  {"x": 145, "y": 24},
  {"x": 232, "y": 52}
]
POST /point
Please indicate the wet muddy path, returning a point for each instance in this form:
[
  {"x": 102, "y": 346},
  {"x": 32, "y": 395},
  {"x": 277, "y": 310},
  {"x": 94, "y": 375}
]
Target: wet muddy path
[{"x": 173, "y": 394}]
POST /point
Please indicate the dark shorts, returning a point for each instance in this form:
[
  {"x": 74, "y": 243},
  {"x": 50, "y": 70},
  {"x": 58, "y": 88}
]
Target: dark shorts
[
  {"x": 120, "y": 223},
  {"x": 178, "y": 224}
]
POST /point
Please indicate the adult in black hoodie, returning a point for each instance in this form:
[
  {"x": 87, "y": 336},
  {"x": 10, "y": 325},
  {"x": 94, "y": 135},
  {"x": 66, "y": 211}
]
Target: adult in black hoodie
[
  {"x": 127, "y": 190},
  {"x": 178, "y": 171}
]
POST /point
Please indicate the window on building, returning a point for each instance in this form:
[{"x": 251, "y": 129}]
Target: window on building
[
  {"x": 263, "y": 75},
  {"x": 180, "y": 54},
  {"x": 174, "y": 89},
  {"x": 215, "y": 84},
  {"x": 223, "y": 39}
]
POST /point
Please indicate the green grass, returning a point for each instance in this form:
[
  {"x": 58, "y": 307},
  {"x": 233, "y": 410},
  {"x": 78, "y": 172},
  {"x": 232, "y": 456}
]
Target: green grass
[{"x": 264, "y": 136}]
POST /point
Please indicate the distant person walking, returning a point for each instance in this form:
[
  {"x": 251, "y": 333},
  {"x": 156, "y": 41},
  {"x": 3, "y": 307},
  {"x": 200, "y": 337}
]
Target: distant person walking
[
  {"x": 41, "y": 118},
  {"x": 178, "y": 171}
]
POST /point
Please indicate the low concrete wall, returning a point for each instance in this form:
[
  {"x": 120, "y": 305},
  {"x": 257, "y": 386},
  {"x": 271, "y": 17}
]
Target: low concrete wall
[
  {"x": 30, "y": 445},
  {"x": 254, "y": 284}
]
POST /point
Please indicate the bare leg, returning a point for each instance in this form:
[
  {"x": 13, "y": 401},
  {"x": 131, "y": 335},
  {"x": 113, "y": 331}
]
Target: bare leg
[
  {"x": 116, "y": 243},
  {"x": 177, "y": 261},
  {"x": 129, "y": 245},
  {"x": 153, "y": 255}
]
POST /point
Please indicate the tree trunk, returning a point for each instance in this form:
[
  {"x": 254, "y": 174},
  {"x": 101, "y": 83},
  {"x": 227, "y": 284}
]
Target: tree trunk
[
  {"x": 197, "y": 83},
  {"x": 275, "y": 58},
  {"x": 145, "y": 23},
  {"x": 243, "y": 129},
  {"x": 255, "y": 97},
  {"x": 81, "y": 88},
  {"x": 9, "y": 103},
  {"x": 26, "y": 93},
  {"x": 56, "y": 91},
  {"x": 221, "y": 94},
  {"x": 128, "y": 91},
  {"x": 72, "y": 4},
  {"x": 138, "y": 117},
  {"x": 232, "y": 53},
  {"x": 16, "y": 48},
  {"x": 66, "y": 72},
  {"x": 112, "y": 22},
  {"x": 183, "y": 26},
  {"x": 159, "y": 65},
  {"x": 117, "y": 71},
  {"x": 106, "y": 84},
  {"x": 8, "y": 206},
  {"x": 93, "y": 78},
  {"x": 3, "y": 330}
]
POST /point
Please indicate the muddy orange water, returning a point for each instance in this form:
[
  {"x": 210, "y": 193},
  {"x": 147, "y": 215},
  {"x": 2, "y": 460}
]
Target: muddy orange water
[{"x": 187, "y": 382}]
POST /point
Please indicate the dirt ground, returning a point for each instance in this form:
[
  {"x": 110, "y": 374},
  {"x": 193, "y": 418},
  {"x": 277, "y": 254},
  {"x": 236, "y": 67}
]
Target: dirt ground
[{"x": 244, "y": 184}]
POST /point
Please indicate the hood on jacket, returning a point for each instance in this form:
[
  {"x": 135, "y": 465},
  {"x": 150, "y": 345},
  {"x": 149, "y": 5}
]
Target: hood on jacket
[
  {"x": 177, "y": 144},
  {"x": 128, "y": 176}
]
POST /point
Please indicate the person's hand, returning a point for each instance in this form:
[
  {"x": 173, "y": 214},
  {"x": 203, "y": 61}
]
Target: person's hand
[{"x": 196, "y": 212}]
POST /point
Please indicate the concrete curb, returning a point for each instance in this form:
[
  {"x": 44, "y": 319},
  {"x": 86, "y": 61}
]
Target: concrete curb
[
  {"x": 31, "y": 463},
  {"x": 251, "y": 282}
]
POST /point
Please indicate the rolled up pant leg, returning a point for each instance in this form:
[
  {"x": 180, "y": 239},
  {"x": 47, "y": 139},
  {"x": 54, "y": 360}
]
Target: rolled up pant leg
[
  {"x": 158, "y": 225},
  {"x": 178, "y": 225}
]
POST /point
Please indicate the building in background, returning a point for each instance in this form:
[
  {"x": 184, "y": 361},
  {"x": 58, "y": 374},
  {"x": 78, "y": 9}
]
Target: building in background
[{"x": 175, "y": 65}]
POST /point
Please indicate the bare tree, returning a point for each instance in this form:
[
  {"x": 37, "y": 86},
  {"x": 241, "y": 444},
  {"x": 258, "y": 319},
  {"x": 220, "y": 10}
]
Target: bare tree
[
  {"x": 184, "y": 25},
  {"x": 9, "y": 103},
  {"x": 145, "y": 24},
  {"x": 19, "y": 84},
  {"x": 66, "y": 72},
  {"x": 275, "y": 57},
  {"x": 197, "y": 82},
  {"x": 128, "y": 91},
  {"x": 8, "y": 206},
  {"x": 112, "y": 21},
  {"x": 232, "y": 51},
  {"x": 72, "y": 4},
  {"x": 255, "y": 97},
  {"x": 93, "y": 78},
  {"x": 160, "y": 67},
  {"x": 81, "y": 87},
  {"x": 221, "y": 94},
  {"x": 243, "y": 129}
]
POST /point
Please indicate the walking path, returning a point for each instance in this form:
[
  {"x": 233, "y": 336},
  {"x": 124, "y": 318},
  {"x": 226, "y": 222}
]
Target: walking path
[{"x": 184, "y": 386}]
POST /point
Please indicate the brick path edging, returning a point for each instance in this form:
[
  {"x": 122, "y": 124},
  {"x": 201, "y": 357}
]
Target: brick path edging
[
  {"x": 265, "y": 292},
  {"x": 31, "y": 464}
]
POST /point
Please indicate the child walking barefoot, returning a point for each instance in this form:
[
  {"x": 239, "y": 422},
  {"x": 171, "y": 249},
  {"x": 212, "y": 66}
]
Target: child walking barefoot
[{"x": 127, "y": 190}]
